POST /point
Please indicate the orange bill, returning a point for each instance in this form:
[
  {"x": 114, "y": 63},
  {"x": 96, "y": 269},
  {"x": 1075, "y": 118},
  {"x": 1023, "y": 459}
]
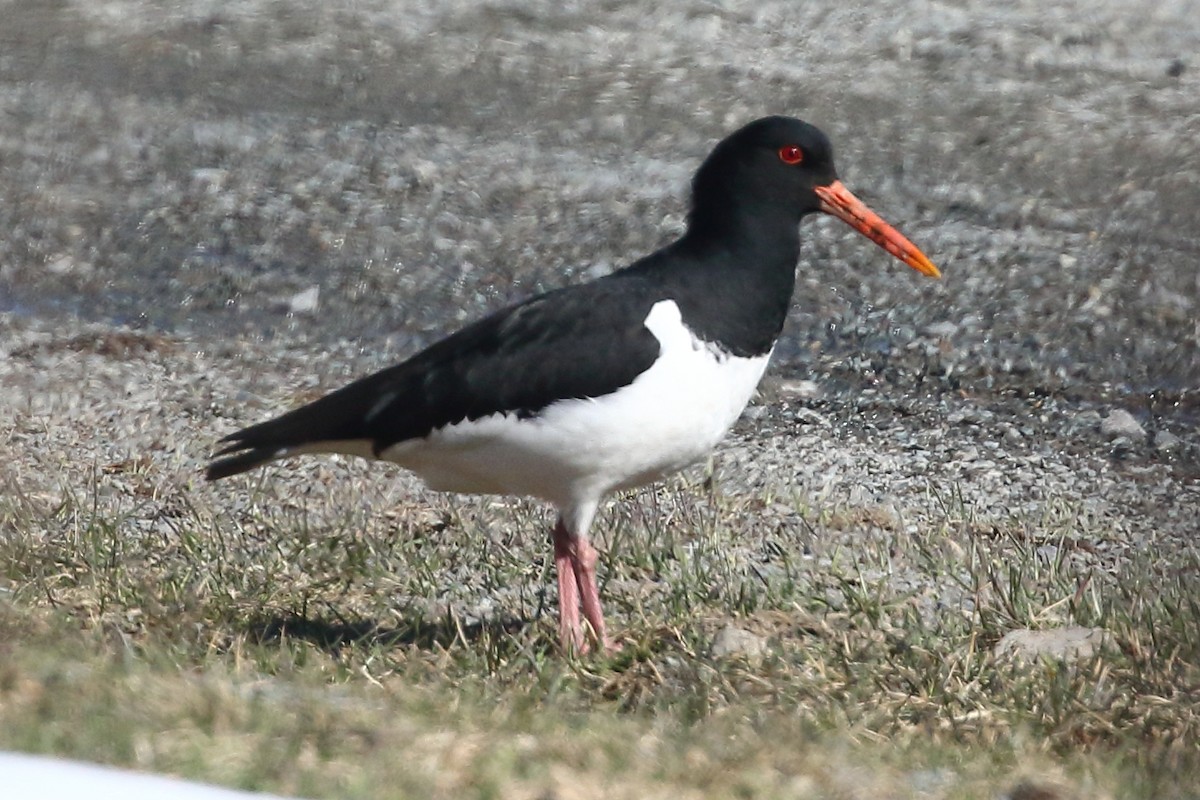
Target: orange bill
[{"x": 837, "y": 200}]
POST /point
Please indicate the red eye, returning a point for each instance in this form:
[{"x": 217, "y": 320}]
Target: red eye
[{"x": 791, "y": 154}]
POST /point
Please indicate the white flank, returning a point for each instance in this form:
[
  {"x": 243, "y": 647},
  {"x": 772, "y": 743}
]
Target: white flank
[{"x": 575, "y": 451}]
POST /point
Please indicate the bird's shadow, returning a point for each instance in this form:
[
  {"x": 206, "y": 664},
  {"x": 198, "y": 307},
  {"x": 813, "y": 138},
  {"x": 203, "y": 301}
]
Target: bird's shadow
[{"x": 337, "y": 634}]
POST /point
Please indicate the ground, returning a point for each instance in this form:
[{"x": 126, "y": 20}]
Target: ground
[{"x": 214, "y": 211}]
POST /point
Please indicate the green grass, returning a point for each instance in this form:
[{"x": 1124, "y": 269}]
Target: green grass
[{"x": 342, "y": 641}]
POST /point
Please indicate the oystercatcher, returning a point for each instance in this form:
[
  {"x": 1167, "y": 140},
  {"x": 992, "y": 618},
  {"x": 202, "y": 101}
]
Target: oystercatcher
[{"x": 590, "y": 389}]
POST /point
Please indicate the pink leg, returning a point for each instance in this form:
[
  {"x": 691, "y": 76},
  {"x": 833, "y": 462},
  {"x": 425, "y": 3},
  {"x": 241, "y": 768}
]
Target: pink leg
[
  {"x": 589, "y": 592},
  {"x": 570, "y": 632},
  {"x": 575, "y": 559}
]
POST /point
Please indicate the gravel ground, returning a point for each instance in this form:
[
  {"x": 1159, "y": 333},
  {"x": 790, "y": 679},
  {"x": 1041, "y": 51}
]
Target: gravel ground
[{"x": 211, "y": 209}]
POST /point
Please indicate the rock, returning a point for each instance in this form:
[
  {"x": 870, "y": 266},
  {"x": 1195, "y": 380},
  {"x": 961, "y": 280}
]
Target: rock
[
  {"x": 1068, "y": 643},
  {"x": 598, "y": 270},
  {"x": 1122, "y": 446},
  {"x": 798, "y": 389},
  {"x": 1165, "y": 440},
  {"x": 735, "y": 642},
  {"x": 808, "y": 415},
  {"x": 1120, "y": 422},
  {"x": 1084, "y": 421},
  {"x": 305, "y": 302},
  {"x": 755, "y": 412},
  {"x": 941, "y": 330}
]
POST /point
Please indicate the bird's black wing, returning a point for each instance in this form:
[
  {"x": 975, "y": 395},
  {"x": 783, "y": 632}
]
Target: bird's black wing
[{"x": 582, "y": 341}]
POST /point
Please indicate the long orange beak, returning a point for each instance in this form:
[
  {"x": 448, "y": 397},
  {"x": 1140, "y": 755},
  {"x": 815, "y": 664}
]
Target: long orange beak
[{"x": 837, "y": 200}]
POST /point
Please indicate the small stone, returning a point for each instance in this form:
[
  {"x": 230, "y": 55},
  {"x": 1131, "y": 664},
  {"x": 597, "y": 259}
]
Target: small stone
[
  {"x": 799, "y": 389},
  {"x": 808, "y": 415},
  {"x": 305, "y": 302},
  {"x": 1120, "y": 422},
  {"x": 941, "y": 330},
  {"x": 1059, "y": 643},
  {"x": 209, "y": 180},
  {"x": 598, "y": 270},
  {"x": 1122, "y": 446},
  {"x": 1084, "y": 421},
  {"x": 755, "y": 413},
  {"x": 1165, "y": 440},
  {"x": 61, "y": 265},
  {"x": 735, "y": 642}
]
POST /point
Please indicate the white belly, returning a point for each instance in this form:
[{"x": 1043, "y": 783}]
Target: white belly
[{"x": 578, "y": 450}]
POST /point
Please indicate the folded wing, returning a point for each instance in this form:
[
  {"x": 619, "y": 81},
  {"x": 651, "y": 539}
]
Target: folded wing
[{"x": 579, "y": 342}]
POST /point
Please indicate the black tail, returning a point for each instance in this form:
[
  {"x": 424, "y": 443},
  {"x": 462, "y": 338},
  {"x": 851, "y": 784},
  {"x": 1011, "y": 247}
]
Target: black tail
[
  {"x": 337, "y": 417},
  {"x": 242, "y": 462}
]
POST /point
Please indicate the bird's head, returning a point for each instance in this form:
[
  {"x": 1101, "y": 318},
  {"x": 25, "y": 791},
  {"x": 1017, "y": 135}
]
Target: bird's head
[{"x": 782, "y": 168}]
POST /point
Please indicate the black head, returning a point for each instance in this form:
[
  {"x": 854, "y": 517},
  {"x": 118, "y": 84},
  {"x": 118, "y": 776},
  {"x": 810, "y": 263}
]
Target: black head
[
  {"x": 761, "y": 180},
  {"x": 770, "y": 167}
]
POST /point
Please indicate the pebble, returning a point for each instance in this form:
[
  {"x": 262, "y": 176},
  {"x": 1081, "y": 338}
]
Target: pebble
[
  {"x": 1120, "y": 423},
  {"x": 941, "y": 330},
  {"x": 305, "y": 302},
  {"x": 799, "y": 389},
  {"x": 1165, "y": 440},
  {"x": 1083, "y": 422},
  {"x": 1068, "y": 643},
  {"x": 734, "y": 642}
]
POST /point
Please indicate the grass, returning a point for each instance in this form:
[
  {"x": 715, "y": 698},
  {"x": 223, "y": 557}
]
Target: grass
[{"x": 355, "y": 640}]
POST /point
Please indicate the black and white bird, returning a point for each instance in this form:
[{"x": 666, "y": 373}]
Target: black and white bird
[{"x": 590, "y": 389}]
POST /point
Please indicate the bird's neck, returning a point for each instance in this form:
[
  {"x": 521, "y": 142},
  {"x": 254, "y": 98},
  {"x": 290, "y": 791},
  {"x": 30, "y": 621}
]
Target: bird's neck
[
  {"x": 736, "y": 280},
  {"x": 766, "y": 238}
]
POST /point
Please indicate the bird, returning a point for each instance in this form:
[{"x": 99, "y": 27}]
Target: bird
[{"x": 598, "y": 387}]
